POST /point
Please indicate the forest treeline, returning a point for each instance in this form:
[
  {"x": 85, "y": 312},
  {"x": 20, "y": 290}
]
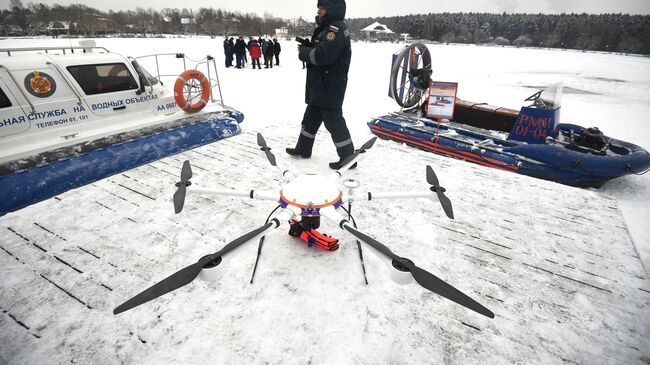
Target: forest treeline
[{"x": 602, "y": 32}]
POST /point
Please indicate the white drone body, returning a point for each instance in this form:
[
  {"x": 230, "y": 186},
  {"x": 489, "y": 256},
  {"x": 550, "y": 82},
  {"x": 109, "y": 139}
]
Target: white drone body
[{"x": 306, "y": 198}]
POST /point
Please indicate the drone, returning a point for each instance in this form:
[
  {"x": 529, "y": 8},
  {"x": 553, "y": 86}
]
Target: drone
[{"x": 303, "y": 200}]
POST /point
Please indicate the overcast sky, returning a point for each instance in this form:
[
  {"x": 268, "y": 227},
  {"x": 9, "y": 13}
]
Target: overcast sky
[{"x": 375, "y": 8}]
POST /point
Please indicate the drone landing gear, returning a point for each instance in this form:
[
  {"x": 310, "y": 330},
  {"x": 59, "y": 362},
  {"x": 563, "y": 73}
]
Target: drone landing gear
[{"x": 312, "y": 237}]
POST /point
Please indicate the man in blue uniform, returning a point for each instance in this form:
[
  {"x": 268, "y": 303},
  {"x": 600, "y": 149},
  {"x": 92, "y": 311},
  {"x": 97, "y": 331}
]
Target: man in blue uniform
[{"x": 328, "y": 59}]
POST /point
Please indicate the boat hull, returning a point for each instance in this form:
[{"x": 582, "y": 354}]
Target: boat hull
[
  {"x": 42, "y": 176},
  {"x": 548, "y": 162}
]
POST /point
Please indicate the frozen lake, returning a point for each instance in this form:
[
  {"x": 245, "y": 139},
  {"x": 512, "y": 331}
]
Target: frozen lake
[
  {"x": 607, "y": 91},
  {"x": 572, "y": 290}
]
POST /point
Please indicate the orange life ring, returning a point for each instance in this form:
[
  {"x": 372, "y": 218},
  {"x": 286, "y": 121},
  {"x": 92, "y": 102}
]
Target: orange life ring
[{"x": 185, "y": 80}]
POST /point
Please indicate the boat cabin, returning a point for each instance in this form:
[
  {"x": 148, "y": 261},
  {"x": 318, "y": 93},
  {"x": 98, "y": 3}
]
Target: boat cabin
[{"x": 52, "y": 97}]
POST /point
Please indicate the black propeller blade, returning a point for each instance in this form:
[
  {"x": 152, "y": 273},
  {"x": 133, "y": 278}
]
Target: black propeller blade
[
  {"x": 366, "y": 146},
  {"x": 186, "y": 171},
  {"x": 187, "y": 274},
  {"x": 179, "y": 195},
  {"x": 172, "y": 282},
  {"x": 262, "y": 143},
  {"x": 423, "y": 277},
  {"x": 435, "y": 187}
]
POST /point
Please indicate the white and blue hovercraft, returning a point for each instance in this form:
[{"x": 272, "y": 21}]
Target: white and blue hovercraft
[
  {"x": 530, "y": 141},
  {"x": 71, "y": 116}
]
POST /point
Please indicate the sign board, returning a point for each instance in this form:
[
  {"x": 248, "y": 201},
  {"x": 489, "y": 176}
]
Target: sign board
[
  {"x": 535, "y": 124},
  {"x": 442, "y": 99}
]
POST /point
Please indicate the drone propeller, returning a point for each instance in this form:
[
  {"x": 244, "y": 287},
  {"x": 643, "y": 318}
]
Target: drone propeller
[
  {"x": 262, "y": 143},
  {"x": 423, "y": 277},
  {"x": 435, "y": 187},
  {"x": 366, "y": 146},
  {"x": 179, "y": 195},
  {"x": 189, "y": 273}
]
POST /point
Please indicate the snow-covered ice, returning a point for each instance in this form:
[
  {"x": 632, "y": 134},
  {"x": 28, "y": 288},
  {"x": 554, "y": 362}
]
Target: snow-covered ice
[{"x": 556, "y": 264}]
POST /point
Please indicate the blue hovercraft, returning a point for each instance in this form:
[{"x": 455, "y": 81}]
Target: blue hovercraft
[{"x": 529, "y": 142}]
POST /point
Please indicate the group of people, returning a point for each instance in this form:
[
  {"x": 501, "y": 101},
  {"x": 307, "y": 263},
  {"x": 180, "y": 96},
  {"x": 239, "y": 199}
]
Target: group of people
[{"x": 236, "y": 50}]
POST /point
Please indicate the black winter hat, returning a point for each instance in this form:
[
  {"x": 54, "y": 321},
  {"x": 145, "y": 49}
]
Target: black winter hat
[{"x": 335, "y": 9}]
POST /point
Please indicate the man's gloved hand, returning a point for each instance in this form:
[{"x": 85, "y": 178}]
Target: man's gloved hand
[{"x": 303, "y": 42}]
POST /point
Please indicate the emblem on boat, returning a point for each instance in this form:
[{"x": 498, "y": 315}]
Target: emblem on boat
[{"x": 40, "y": 84}]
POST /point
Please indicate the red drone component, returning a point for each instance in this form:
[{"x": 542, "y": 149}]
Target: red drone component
[{"x": 313, "y": 237}]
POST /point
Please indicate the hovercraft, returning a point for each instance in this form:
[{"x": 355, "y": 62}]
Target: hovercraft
[
  {"x": 73, "y": 115},
  {"x": 530, "y": 141}
]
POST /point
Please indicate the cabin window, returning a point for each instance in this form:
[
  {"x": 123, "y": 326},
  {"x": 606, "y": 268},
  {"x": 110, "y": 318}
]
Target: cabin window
[
  {"x": 149, "y": 80},
  {"x": 103, "y": 78},
  {"x": 4, "y": 100}
]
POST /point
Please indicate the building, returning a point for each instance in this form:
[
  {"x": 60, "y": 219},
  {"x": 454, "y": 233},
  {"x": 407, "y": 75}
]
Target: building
[
  {"x": 380, "y": 32},
  {"x": 299, "y": 23},
  {"x": 55, "y": 28}
]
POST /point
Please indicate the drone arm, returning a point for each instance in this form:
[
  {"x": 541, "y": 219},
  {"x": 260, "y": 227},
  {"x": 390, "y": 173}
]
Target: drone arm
[
  {"x": 421, "y": 276},
  {"x": 399, "y": 195},
  {"x": 276, "y": 222},
  {"x": 253, "y": 194},
  {"x": 286, "y": 174},
  {"x": 331, "y": 214},
  {"x": 189, "y": 273},
  {"x": 431, "y": 194},
  {"x": 392, "y": 195}
]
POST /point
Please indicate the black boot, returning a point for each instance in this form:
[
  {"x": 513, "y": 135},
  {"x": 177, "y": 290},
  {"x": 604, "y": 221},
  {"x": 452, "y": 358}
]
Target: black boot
[
  {"x": 296, "y": 152},
  {"x": 303, "y": 147},
  {"x": 344, "y": 153},
  {"x": 338, "y": 164}
]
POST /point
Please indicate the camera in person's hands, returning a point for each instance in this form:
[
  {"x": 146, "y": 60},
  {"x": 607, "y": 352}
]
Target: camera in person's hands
[{"x": 303, "y": 42}]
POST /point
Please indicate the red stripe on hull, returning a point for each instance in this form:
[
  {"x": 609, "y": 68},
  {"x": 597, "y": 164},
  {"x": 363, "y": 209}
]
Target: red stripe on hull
[{"x": 435, "y": 147}]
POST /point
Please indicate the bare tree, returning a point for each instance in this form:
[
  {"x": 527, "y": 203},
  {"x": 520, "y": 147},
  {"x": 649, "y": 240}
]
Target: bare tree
[
  {"x": 15, "y": 4},
  {"x": 207, "y": 20}
]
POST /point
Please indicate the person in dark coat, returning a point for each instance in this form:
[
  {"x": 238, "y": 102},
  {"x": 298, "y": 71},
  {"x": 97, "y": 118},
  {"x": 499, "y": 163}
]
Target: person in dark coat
[
  {"x": 268, "y": 54},
  {"x": 227, "y": 50},
  {"x": 276, "y": 51},
  {"x": 256, "y": 52},
  {"x": 240, "y": 52},
  {"x": 328, "y": 61},
  {"x": 231, "y": 41},
  {"x": 244, "y": 54},
  {"x": 263, "y": 46}
]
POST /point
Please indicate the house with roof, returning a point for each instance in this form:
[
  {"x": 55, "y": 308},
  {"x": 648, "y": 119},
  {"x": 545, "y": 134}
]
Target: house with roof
[
  {"x": 57, "y": 27},
  {"x": 378, "y": 31}
]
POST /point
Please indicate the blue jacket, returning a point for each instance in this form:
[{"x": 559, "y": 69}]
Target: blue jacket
[{"x": 227, "y": 48}]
